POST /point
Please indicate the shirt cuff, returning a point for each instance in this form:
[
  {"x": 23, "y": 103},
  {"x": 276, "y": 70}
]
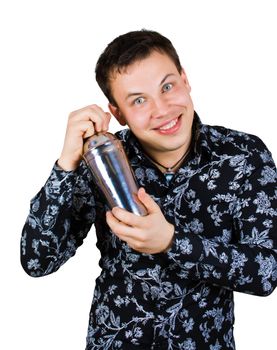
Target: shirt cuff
[{"x": 60, "y": 170}]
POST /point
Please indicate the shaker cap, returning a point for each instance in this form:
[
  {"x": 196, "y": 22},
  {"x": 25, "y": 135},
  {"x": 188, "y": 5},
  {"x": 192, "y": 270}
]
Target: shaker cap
[{"x": 98, "y": 139}]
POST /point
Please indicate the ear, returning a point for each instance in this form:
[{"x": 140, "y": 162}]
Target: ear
[
  {"x": 185, "y": 79},
  {"x": 117, "y": 114}
]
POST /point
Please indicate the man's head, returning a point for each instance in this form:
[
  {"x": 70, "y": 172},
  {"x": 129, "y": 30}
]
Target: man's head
[
  {"x": 148, "y": 90},
  {"x": 127, "y": 49}
]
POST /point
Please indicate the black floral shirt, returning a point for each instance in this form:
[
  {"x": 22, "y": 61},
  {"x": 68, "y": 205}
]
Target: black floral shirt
[{"x": 222, "y": 202}]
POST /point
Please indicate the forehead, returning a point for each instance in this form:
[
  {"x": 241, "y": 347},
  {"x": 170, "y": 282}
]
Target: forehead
[{"x": 154, "y": 66}]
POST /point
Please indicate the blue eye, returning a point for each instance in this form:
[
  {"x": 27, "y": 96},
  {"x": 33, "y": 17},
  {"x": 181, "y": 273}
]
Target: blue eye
[
  {"x": 167, "y": 87},
  {"x": 139, "y": 101}
]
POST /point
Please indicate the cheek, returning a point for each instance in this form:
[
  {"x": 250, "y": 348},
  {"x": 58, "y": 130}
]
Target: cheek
[
  {"x": 181, "y": 97},
  {"x": 138, "y": 119}
]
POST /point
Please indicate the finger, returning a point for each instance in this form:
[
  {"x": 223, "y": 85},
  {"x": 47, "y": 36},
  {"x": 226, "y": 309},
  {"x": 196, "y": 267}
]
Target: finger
[
  {"x": 102, "y": 118},
  {"x": 127, "y": 217},
  {"x": 90, "y": 130},
  {"x": 127, "y": 234},
  {"x": 122, "y": 230},
  {"x": 150, "y": 204},
  {"x": 138, "y": 246},
  {"x": 107, "y": 121},
  {"x": 82, "y": 114},
  {"x": 81, "y": 128},
  {"x": 92, "y": 113},
  {"x": 98, "y": 116}
]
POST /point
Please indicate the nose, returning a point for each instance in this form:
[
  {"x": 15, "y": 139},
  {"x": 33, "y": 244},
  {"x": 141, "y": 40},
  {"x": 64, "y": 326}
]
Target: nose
[{"x": 160, "y": 108}]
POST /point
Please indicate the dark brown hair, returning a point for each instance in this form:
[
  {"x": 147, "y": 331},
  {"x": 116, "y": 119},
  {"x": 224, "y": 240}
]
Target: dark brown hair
[{"x": 127, "y": 49}]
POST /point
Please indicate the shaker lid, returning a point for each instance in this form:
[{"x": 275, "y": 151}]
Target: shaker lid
[{"x": 97, "y": 140}]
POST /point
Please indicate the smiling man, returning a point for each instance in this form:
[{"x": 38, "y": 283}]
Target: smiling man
[
  {"x": 153, "y": 97},
  {"x": 167, "y": 278}
]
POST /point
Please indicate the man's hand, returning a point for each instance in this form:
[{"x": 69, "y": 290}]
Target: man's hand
[
  {"x": 149, "y": 234},
  {"x": 81, "y": 124}
]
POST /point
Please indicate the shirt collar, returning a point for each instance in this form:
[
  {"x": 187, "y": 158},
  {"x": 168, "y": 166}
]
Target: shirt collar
[{"x": 202, "y": 144}]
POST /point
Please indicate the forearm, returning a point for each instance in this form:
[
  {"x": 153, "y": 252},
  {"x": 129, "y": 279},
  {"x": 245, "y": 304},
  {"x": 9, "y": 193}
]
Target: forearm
[
  {"x": 60, "y": 216},
  {"x": 240, "y": 267}
]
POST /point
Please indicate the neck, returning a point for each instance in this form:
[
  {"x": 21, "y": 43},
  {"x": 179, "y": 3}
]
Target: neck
[
  {"x": 170, "y": 159},
  {"x": 172, "y": 168},
  {"x": 169, "y": 163}
]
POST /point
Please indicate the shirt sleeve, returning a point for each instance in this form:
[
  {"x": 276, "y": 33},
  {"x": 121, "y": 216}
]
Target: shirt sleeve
[
  {"x": 249, "y": 264},
  {"x": 60, "y": 216}
]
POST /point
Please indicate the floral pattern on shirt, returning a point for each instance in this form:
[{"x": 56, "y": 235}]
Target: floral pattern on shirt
[{"x": 222, "y": 202}]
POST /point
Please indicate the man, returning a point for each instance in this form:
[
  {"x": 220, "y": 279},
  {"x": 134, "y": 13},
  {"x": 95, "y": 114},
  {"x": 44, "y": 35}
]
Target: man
[{"x": 168, "y": 278}]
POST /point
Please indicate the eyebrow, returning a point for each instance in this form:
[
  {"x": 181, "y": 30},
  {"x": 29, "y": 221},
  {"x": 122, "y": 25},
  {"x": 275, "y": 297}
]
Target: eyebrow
[
  {"x": 132, "y": 94},
  {"x": 164, "y": 79}
]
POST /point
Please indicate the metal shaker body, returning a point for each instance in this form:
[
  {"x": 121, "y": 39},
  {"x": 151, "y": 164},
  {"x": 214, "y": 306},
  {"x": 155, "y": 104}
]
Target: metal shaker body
[{"x": 110, "y": 168}]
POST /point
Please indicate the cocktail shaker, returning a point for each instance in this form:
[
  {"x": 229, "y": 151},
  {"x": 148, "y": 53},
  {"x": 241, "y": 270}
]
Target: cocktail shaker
[{"x": 111, "y": 171}]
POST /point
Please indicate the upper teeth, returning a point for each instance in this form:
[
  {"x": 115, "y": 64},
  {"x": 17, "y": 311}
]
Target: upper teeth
[{"x": 169, "y": 125}]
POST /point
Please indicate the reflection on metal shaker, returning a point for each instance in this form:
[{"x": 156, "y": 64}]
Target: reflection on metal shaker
[{"x": 111, "y": 171}]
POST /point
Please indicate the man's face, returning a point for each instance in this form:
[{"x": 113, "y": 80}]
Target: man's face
[{"x": 153, "y": 99}]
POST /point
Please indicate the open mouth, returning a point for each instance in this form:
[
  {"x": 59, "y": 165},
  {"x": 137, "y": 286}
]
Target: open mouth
[{"x": 171, "y": 126}]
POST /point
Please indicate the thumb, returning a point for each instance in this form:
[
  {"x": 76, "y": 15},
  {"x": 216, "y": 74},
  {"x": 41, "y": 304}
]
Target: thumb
[{"x": 149, "y": 203}]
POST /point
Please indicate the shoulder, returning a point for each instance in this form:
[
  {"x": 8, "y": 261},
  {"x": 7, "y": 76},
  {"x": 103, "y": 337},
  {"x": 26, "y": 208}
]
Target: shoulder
[
  {"x": 233, "y": 142},
  {"x": 221, "y": 135}
]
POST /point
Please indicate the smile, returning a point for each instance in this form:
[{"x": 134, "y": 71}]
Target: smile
[{"x": 169, "y": 125}]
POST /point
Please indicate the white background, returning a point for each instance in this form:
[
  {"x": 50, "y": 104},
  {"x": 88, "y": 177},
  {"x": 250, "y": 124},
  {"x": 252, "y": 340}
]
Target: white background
[{"x": 48, "y": 53}]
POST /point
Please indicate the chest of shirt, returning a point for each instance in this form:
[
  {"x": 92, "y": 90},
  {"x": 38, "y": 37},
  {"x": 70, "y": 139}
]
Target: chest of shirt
[{"x": 200, "y": 198}]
